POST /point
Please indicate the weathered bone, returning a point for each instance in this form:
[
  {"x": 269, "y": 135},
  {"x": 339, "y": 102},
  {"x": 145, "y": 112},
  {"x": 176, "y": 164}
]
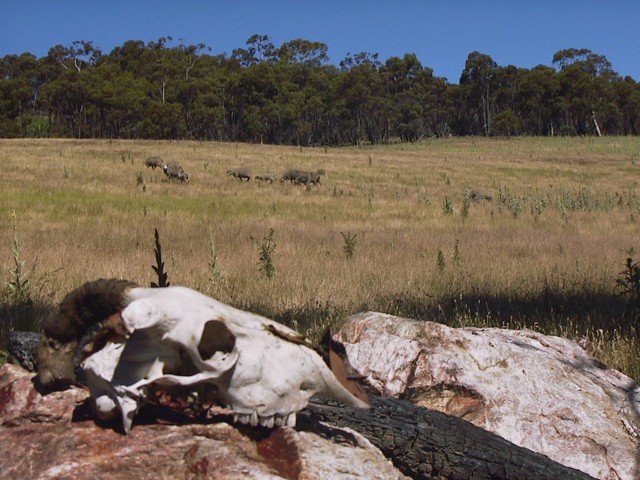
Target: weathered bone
[{"x": 263, "y": 371}]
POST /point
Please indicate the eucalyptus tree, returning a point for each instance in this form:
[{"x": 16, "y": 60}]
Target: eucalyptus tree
[{"x": 478, "y": 82}]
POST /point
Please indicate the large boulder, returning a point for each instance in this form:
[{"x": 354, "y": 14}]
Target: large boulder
[
  {"x": 43, "y": 437},
  {"x": 541, "y": 392}
]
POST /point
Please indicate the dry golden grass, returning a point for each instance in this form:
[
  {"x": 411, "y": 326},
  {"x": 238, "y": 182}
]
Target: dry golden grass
[{"x": 81, "y": 215}]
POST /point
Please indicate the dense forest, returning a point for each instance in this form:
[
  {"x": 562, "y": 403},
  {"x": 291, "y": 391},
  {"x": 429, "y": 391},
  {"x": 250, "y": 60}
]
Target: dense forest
[{"x": 292, "y": 94}]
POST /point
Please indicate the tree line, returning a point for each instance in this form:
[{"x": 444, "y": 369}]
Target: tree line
[{"x": 291, "y": 94}]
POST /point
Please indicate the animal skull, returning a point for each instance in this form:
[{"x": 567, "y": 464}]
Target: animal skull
[{"x": 176, "y": 337}]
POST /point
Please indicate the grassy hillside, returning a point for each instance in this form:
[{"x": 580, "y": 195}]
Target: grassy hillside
[{"x": 546, "y": 253}]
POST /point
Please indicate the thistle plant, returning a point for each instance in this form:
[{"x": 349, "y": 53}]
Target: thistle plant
[
  {"x": 447, "y": 206},
  {"x": 20, "y": 284},
  {"x": 159, "y": 266},
  {"x": 265, "y": 250},
  {"x": 457, "y": 259},
  {"x": 629, "y": 283},
  {"x": 349, "y": 244},
  {"x": 370, "y": 194}
]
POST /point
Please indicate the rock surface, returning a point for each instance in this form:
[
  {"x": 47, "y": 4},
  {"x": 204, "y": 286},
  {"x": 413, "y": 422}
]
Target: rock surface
[
  {"x": 541, "y": 392},
  {"x": 50, "y": 437}
]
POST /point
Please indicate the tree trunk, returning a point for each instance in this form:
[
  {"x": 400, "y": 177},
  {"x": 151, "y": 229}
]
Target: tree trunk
[
  {"x": 595, "y": 123},
  {"x": 424, "y": 444}
]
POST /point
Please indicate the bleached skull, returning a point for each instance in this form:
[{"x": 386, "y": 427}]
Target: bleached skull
[{"x": 263, "y": 371}]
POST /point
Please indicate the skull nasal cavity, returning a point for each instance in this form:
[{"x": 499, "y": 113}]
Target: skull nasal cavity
[{"x": 216, "y": 337}]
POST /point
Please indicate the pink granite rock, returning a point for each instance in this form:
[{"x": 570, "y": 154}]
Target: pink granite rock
[
  {"x": 45, "y": 437},
  {"x": 541, "y": 392}
]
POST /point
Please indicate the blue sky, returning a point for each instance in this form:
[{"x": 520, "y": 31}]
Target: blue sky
[{"x": 441, "y": 33}]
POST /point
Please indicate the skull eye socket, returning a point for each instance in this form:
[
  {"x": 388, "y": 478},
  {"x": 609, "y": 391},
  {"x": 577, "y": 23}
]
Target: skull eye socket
[{"x": 216, "y": 337}]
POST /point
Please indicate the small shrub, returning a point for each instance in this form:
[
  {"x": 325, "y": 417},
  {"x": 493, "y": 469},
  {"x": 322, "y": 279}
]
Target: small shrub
[
  {"x": 457, "y": 259},
  {"x": 515, "y": 205},
  {"x": 265, "y": 250},
  {"x": 537, "y": 207},
  {"x": 447, "y": 206},
  {"x": 139, "y": 179},
  {"x": 348, "y": 244},
  {"x": 629, "y": 284}
]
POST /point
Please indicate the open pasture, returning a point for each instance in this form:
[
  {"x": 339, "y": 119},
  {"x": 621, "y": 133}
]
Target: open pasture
[{"x": 387, "y": 229}]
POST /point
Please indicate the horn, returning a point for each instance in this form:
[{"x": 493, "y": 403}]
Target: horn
[{"x": 333, "y": 353}]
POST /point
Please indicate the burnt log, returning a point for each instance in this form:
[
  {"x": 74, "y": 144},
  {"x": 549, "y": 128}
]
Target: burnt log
[{"x": 425, "y": 444}]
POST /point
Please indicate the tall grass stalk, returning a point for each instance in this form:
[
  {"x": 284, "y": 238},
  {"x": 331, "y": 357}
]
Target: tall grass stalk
[
  {"x": 19, "y": 284},
  {"x": 158, "y": 268},
  {"x": 213, "y": 264}
]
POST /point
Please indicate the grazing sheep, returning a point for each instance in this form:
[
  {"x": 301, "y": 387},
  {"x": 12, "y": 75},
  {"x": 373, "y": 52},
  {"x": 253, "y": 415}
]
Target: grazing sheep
[
  {"x": 314, "y": 178},
  {"x": 291, "y": 176},
  {"x": 154, "y": 162},
  {"x": 306, "y": 178},
  {"x": 479, "y": 194},
  {"x": 266, "y": 177},
  {"x": 240, "y": 173},
  {"x": 300, "y": 177},
  {"x": 173, "y": 170}
]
